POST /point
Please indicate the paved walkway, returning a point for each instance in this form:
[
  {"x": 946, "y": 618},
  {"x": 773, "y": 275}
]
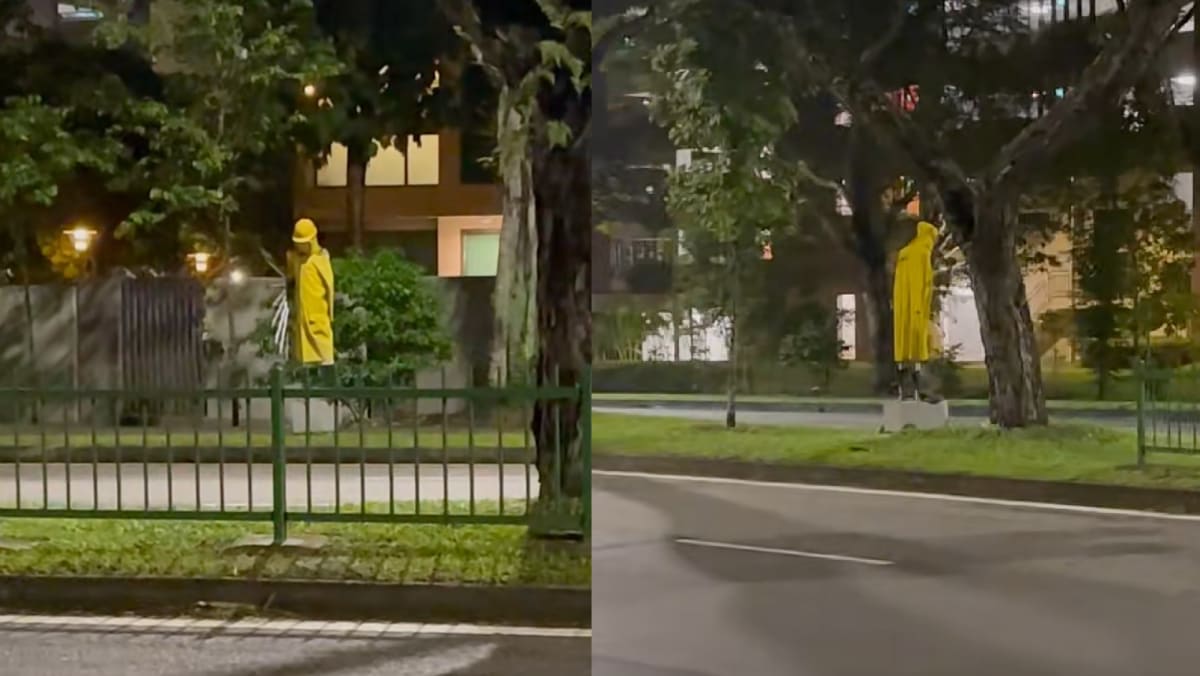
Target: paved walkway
[
  {"x": 131, "y": 646},
  {"x": 186, "y": 485}
]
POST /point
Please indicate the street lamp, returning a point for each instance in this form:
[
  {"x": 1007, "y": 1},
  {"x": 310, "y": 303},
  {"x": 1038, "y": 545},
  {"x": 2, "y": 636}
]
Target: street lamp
[
  {"x": 82, "y": 238},
  {"x": 310, "y": 90},
  {"x": 200, "y": 261}
]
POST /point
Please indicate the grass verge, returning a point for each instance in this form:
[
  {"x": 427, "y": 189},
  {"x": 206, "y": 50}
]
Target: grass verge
[
  {"x": 1061, "y": 405},
  {"x": 1077, "y": 453},
  {"x": 467, "y": 554}
]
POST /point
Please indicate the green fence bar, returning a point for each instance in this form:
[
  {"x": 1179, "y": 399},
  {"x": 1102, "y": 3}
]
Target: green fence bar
[
  {"x": 279, "y": 459},
  {"x": 178, "y": 429}
]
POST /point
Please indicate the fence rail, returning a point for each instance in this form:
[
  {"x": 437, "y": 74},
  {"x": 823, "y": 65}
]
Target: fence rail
[
  {"x": 1168, "y": 410},
  {"x": 295, "y": 452}
]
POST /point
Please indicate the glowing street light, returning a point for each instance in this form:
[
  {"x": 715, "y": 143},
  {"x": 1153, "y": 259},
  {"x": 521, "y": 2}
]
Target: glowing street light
[
  {"x": 237, "y": 276},
  {"x": 310, "y": 90},
  {"x": 81, "y": 238},
  {"x": 200, "y": 261}
]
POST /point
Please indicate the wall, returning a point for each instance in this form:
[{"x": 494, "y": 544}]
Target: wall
[
  {"x": 387, "y": 207},
  {"x": 450, "y": 240},
  {"x": 468, "y": 317}
]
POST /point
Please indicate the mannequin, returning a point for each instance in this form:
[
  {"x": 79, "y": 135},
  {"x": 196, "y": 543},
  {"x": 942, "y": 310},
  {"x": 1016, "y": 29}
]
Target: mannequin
[{"x": 912, "y": 302}]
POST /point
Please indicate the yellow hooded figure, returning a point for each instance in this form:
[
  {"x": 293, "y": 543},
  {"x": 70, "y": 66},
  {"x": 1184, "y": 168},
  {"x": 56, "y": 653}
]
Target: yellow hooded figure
[
  {"x": 312, "y": 274},
  {"x": 912, "y": 296}
]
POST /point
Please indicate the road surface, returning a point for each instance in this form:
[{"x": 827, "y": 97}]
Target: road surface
[
  {"x": 42, "y": 646},
  {"x": 711, "y": 578},
  {"x": 849, "y": 420},
  {"x": 179, "y": 484}
]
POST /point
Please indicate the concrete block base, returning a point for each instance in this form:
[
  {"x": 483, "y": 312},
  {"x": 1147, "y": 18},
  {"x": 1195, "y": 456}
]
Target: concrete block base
[
  {"x": 900, "y": 415},
  {"x": 250, "y": 544},
  {"x": 319, "y": 419}
]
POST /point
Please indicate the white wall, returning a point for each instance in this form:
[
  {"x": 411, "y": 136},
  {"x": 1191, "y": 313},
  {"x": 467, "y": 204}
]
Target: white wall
[
  {"x": 704, "y": 343},
  {"x": 960, "y": 323}
]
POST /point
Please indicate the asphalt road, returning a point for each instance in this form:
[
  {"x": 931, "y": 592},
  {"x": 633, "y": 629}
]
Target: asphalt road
[
  {"x": 45, "y": 650},
  {"x": 838, "y": 419},
  {"x": 701, "y": 578},
  {"x": 330, "y": 484}
]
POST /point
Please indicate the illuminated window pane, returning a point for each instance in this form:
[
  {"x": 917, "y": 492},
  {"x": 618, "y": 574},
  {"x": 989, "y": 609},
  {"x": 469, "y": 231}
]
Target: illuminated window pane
[
  {"x": 386, "y": 167},
  {"x": 423, "y": 161},
  {"x": 333, "y": 173}
]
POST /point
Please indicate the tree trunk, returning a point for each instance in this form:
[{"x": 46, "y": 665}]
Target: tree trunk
[
  {"x": 356, "y": 192},
  {"x": 515, "y": 321},
  {"x": 880, "y": 325},
  {"x": 732, "y": 385},
  {"x": 1015, "y": 391},
  {"x": 562, "y": 192}
]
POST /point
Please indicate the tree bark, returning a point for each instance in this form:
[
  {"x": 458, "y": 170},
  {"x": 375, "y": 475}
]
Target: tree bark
[
  {"x": 356, "y": 192},
  {"x": 516, "y": 270},
  {"x": 562, "y": 192},
  {"x": 880, "y": 325},
  {"x": 1015, "y": 391}
]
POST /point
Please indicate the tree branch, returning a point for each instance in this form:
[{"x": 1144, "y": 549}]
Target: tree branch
[
  {"x": 1118, "y": 66},
  {"x": 623, "y": 25},
  {"x": 486, "y": 51},
  {"x": 871, "y": 55}
]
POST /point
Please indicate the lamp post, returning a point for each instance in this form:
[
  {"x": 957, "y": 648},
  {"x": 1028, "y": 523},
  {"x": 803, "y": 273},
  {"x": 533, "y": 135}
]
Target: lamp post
[{"x": 82, "y": 238}]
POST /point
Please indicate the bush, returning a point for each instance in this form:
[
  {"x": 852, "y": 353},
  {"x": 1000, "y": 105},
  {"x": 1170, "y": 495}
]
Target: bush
[{"x": 387, "y": 322}]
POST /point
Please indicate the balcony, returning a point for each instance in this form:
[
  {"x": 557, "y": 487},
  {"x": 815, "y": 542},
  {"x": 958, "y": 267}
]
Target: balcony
[{"x": 640, "y": 265}]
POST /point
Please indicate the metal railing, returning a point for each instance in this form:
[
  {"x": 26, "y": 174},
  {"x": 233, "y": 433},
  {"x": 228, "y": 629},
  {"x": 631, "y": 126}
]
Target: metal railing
[
  {"x": 1168, "y": 410},
  {"x": 288, "y": 452}
]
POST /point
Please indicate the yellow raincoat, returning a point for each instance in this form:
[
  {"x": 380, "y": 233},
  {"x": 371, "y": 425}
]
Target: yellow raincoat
[
  {"x": 912, "y": 296},
  {"x": 312, "y": 309}
]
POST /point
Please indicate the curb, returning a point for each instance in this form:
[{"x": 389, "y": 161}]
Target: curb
[
  {"x": 956, "y": 409},
  {"x": 525, "y": 606},
  {"x": 314, "y": 454},
  {"x": 1170, "y": 501}
]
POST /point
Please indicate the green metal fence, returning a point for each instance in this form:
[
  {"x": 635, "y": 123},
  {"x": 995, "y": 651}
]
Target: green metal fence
[
  {"x": 289, "y": 452},
  {"x": 1168, "y": 410}
]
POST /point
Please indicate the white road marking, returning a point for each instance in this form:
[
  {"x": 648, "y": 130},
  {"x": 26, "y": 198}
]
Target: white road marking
[
  {"x": 1051, "y": 506},
  {"x": 784, "y": 552},
  {"x": 278, "y": 628}
]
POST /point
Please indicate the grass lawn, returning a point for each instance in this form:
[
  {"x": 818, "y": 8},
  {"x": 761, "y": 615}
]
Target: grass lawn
[
  {"x": 1061, "y": 405},
  {"x": 491, "y": 555},
  {"x": 1062, "y": 381},
  {"x": 1061, "y": 453}
]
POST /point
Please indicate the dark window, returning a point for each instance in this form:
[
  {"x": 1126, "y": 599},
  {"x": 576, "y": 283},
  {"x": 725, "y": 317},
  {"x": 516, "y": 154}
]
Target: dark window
[
  {"x": 418, "y": 246},
  {"x": 477, "y": 148}
]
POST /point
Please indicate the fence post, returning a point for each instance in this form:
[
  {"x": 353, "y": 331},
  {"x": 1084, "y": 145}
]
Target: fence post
[
  {"x": 585, "y": 446},
  {"x": 279, "y": 459},
  {"x": 1141, "y": 413}
]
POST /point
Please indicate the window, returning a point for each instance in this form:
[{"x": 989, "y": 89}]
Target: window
[
  {"x": 416, "y": 164},
  {"x": 477, "y": 149},
  {"x": 332, "y": 174},
  {"x": 481, "y": 253}
]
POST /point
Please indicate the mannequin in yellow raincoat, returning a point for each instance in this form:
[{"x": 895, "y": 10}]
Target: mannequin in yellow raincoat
[
  {"x": 311, "y": 273},
  {"x": 912, "y": 303}
]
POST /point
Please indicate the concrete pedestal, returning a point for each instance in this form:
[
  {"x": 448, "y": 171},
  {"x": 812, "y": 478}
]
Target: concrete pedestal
[
  {"x": 900, "y": 415},
  {"x": 320, "y": 419}
]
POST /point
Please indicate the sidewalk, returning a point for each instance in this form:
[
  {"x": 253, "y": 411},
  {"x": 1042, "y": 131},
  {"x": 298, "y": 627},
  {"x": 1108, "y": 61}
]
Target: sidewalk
[{"x": 783, "y": 403}]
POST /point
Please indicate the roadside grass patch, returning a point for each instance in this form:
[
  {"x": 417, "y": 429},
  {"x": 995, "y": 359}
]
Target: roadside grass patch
[{"x": 1078, "y": 453}]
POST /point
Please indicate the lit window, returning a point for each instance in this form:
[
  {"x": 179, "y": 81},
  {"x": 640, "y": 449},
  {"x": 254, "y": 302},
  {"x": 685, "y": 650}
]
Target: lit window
[
  {"x": 72, "y": 12},
  {"x": 423, "y": 161},
  {"x": 1183, "y": 88},
  {"x": 386, "y": 168},
  {"x": 390, "y": 167},
  {"x": 332, "y": 174}
]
